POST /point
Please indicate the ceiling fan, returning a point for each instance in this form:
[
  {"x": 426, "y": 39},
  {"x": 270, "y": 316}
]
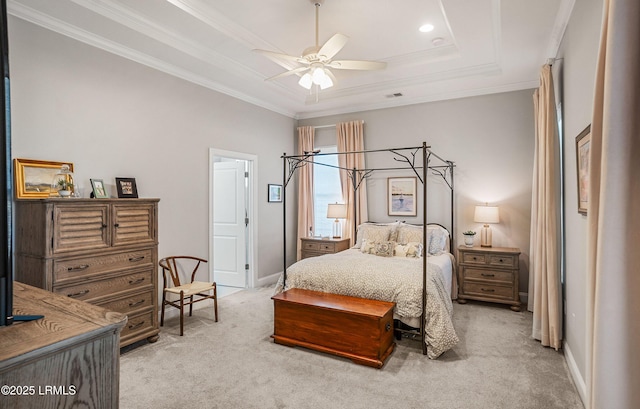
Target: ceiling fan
[{"x": 316, "y": 62}]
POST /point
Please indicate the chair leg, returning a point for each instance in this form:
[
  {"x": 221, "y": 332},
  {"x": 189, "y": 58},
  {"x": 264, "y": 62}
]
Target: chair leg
[
  {"x": 190, "y": 305},
  {"x": 181, "y": 312},
  {"x": 215, "y": 301},
  {"x": 164, "y": 297}
]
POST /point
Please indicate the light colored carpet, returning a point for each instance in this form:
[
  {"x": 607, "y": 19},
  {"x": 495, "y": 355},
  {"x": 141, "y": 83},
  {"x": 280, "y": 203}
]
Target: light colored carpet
[{"x": 234, "y": 364}]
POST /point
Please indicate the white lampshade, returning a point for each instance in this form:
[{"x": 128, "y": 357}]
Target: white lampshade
[
  {"x": 337, "y": 211},
  {"x": 487, "y": 214}
]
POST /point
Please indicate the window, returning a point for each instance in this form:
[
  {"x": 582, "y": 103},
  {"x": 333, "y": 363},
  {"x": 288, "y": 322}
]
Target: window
[{"x": 326, "y": 189}]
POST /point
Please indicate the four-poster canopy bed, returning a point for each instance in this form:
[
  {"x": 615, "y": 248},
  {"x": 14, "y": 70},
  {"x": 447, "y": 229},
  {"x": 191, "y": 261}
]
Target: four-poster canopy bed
[{"x": 421, "y": 281}]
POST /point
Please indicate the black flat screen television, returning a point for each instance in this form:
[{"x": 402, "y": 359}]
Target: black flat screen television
[{"x": 6, "y": 183}]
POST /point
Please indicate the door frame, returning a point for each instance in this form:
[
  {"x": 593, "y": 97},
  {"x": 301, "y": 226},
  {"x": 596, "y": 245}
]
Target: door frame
[{"x": 252, "y": 210}]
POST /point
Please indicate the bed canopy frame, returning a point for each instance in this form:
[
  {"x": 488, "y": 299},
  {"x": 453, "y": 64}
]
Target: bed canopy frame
[{"x": 406, "y": 157}]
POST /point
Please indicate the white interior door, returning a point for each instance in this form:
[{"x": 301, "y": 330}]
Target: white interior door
[{"x": 229, "y": 227}]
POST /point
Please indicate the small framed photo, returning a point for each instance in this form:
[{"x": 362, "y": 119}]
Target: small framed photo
[
  {"x": 99, "y": 191},
  {"x": 274, "y": 193},
  {"x": 401, "y": 196},
  {"x": 126, "y": 188},
  {"x": 583, "y": 145}
]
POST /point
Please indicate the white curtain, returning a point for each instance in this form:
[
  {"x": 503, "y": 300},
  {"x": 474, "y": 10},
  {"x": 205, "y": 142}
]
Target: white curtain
[
  {"x": 351, "y": 139},
  {"x": 305, "y": 186},
  {"x": 613, "y": 215},
  {"x": 545, "y": 295}
]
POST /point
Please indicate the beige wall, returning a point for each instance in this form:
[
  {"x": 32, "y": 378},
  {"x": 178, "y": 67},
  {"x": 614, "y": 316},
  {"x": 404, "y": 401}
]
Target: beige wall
[
  {"x": 113, "y": 117},
  {"x": 575, "y": 75},
  {"x": 490, "y": 138}
]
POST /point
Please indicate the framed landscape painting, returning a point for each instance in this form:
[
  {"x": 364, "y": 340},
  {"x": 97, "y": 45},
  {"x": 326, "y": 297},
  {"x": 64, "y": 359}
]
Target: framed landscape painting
[
  {"x": 33, "y": 178},
  {"x": 401, "y": 196}
]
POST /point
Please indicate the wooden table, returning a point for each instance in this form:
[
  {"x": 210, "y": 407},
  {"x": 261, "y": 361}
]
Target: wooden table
[{"x": 69, "y": 358}]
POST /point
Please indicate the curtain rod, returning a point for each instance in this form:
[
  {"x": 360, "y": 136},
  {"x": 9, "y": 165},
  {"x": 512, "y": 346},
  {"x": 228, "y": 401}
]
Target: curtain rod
[{"x": 327, "y": 126}]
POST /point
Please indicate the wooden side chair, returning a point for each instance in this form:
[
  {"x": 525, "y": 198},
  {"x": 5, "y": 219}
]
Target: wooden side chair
[{"x": 172, "y": 268}]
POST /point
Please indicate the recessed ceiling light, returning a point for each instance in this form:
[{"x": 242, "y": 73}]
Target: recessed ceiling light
[
  {"x": 438, "y": 41},
  {"x": 425, "y": 28}
]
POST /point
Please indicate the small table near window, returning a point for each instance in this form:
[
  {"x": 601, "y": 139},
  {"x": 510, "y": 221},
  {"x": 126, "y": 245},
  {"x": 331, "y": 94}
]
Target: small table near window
[{"x": 312, "y": 247}]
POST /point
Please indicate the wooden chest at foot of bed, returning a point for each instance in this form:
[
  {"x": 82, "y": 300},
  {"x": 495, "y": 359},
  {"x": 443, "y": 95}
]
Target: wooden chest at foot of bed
[{"x": 350, "y": 327}]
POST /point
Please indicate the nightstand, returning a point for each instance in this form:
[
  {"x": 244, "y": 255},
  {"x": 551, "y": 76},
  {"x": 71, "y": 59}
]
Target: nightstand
[
  {"x": 489, "y": 274},
  {"x": 312, "y": 247}
]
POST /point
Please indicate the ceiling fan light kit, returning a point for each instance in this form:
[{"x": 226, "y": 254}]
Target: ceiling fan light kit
[{"x": 316, "y": 61}]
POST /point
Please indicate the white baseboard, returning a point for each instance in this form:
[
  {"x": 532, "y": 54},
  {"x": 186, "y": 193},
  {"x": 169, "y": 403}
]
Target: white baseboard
[
  {"x": 268, "y": 280},
  {"x": 578, "y": 380}
]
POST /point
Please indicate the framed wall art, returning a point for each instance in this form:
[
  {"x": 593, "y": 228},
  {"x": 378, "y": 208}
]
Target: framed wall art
[
  {"x": 401, "y": 196},
  {"x": 33, "y": 178},
  {"x": 583, "y": 146},
  {"x": 126, "y": 188},
  {"x": 99, "y": 191},
  {"x": 274, "y": 193}
]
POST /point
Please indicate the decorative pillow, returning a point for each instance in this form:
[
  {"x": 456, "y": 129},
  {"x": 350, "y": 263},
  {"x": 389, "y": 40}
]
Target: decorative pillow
[
  {"x": 375, "y": 232},
  {"x": 368, "y": 246},
  {"x": 437, "y": 241},
  {"x": 408, "y": 233},
  {"x": 385, "y": 249},
  {"x": 412, "y": 249}
]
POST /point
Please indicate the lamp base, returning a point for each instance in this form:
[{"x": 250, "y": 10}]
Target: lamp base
[
  {"x": 485, "y": 236},
  {"x": 337, "y": 229}
]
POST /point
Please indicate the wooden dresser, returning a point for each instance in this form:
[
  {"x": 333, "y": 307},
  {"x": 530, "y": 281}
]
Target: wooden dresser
[
  {"x": 312, "y": 247},
  {"x": 103, "y": 251},
  {"x": 489, "y": 274},
  {"x": 68, "y": 359}
]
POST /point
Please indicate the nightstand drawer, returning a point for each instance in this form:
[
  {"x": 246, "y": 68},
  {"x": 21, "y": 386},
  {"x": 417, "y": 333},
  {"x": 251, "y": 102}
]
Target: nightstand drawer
[
  {"x": 488, "y": 275},
  {"x": 311, "y": 245},
  {"x": 328, "y": 247},
  {"x": 503, "y": 260},
  {"x": 474, "y": 258},
  {"x": 488, "y": 290}
]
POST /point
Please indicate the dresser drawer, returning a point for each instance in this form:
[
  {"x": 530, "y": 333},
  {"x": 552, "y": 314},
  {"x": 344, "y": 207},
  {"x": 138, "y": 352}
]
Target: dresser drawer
[
  {"x": 311, "y": 245},
  {"x": 327, "y": 247},
  {"x": 505, "y": 261},
  {"x": 130, "y": 304},
  {"x": 488, "y": 290},
  {"x": 473, "y": 258},
  {"x": 488, "y": 275},
  {"x": 84, "y": 267},
  {"x": 136, "y": 324},
  {"x": 95, "y": 290}
]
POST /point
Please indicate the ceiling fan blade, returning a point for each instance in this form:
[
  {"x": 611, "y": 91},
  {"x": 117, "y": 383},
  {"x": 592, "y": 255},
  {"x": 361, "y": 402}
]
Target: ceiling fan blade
[
  {"x": 287, "y": 73},
  {"x": 280, "y": 58},
  {"x": 332, "y": 46},
  {"x": 357, "y": 65}
]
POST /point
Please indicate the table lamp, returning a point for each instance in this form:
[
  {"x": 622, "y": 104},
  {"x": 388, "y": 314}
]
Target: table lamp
[
  {"x": 486, "y": 214},
  {"x": 337, "y": 211}
]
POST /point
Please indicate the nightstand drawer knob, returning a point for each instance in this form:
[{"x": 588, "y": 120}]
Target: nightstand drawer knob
[
  {"x": 501, "y": 261},
  {"x": 474, "y": 257},
  {"x": 487, "y": 275},
  {"x": 488, "y": 290}
]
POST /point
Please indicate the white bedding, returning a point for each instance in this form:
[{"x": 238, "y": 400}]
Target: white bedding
[{"x": 396, "y": 279}]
